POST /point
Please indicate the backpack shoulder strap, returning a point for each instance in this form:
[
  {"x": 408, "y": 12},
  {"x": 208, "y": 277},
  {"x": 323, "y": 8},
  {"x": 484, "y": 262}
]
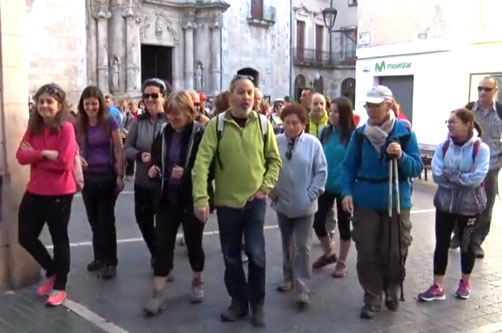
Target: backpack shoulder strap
[
  {"x": 446, "y": 145},
  {"x": 263, "y": 124},
  {"x": 475, "y": 149},
  {"x": 220, "y": 126},
  {"x": 498, "y": 107}
]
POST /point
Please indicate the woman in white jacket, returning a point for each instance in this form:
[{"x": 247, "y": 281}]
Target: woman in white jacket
[
  {"x": 459, "y": 167},
  {"x": 301, "y": 182}
]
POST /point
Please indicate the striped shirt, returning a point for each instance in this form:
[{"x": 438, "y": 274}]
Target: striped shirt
[{"x": 492, "y": 131}]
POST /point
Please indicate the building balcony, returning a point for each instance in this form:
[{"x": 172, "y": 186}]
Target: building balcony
[
  {"x": 263, "y": 17},
  {"x": 319, "y": 59}
]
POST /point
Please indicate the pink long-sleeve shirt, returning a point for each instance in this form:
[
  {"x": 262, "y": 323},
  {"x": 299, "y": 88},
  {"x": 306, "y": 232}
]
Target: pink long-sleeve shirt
[{"x": 50, "y": 177}]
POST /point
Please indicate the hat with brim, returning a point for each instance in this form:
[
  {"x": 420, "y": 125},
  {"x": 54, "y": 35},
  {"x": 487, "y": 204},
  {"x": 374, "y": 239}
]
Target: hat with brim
[{"x": 378, "y": 95}]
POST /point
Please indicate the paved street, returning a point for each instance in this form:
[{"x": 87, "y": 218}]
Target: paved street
[{"x": 116, "y": 305}]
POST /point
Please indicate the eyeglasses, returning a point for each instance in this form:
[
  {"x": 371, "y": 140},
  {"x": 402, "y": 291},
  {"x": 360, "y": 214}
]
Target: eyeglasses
[
  {"x": 289, "y": 152},
  {"x": 450, "y": 122},
  {"x": 373, "y": 105},
  {"x": 487, "y": 89},
  {"x": 152, "y": 95}
]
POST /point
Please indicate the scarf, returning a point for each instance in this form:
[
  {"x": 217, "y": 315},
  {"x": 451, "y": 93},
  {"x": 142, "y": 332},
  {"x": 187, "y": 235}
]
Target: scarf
[{"x": 378, "y": 134}]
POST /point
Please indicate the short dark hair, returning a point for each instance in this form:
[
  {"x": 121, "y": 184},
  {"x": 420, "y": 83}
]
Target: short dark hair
[
  {"x": 165, "y": 88},
  {"x": 297, "y": 109}
]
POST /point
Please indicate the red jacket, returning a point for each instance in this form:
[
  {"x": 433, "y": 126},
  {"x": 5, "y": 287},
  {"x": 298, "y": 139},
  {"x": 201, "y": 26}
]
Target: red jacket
[{"x": 49, "y": 177}]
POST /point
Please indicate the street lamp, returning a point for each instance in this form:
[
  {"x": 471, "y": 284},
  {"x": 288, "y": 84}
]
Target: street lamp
[{"x": 329, "y": 16}]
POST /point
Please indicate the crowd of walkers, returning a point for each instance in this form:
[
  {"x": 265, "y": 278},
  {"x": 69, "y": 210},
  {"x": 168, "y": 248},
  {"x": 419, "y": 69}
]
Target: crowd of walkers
[{"x": 310, "y": 159}]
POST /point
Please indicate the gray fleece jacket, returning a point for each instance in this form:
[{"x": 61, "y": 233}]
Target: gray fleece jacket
[{"x": 141, "y": 136}]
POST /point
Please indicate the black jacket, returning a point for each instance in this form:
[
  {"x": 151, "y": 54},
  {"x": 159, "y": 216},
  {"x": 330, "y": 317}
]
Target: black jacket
[{"x": 191, "y": 137}]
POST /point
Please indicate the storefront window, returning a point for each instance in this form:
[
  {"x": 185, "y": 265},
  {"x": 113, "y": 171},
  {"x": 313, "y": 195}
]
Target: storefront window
[{"x": 474, "y": 81}]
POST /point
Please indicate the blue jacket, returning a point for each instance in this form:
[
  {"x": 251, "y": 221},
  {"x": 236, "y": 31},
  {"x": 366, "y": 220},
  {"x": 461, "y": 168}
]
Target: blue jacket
[
  {"x": 335, "y": 151},
  {"x": 365, "y": 174},
  {"x": 302, "y": 179},
  {"x": 458, "y": 161}
]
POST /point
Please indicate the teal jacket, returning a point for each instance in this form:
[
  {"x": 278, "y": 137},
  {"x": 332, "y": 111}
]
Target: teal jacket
[
  {"x": 335, "y": 151},
  {"x": 365, "y": 174}
]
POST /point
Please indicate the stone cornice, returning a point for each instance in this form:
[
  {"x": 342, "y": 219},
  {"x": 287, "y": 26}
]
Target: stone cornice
[
  {"x": 101, "y": 12},
  {"x": 219, "y": 4}
]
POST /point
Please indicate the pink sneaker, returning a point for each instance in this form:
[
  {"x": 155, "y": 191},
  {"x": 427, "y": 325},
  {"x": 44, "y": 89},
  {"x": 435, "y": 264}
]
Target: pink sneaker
[
  {"x": 340, "y": 270},
  {"x": 432, "y": 294},
  {"x": 56, "y": 298},
  {"x": 463, "y": 290},
  {"x": 47, "y": 285}
]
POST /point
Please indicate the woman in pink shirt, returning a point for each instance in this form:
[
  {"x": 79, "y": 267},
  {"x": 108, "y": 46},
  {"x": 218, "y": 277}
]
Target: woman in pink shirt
[{"x": 49, "y": 147}]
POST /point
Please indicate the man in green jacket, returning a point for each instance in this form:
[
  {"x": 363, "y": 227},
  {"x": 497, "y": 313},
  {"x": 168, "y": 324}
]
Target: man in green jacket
[{"x": 240, "y": 148}]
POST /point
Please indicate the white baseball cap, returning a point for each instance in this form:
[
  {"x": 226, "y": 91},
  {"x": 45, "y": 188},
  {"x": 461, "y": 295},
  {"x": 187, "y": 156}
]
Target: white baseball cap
[{"x": 379, "y": 94}]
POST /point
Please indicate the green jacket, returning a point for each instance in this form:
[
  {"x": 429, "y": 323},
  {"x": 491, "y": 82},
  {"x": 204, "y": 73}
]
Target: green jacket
[
  {"x": 249, "y": 164},
  {"x": 315, "y": 129}
]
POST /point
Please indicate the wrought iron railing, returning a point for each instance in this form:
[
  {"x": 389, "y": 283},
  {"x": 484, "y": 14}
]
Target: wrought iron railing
[{"x": 317, "y": 58}]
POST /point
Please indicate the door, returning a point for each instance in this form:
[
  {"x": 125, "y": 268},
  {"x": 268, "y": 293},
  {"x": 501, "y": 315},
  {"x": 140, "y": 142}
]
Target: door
[
  {"x": 402, "y": 88},
  {"x": 349, "y": 89},
  {"x": 257, "y": 9},
  {"x": 319, "y": 38},
  {"x": 300, "y": 40},
  {"x": 156, "y": 61}
]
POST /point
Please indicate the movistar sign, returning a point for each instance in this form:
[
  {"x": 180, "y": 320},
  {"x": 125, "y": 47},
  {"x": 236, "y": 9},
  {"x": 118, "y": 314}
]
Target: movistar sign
[{"x": 382, "y": 66}]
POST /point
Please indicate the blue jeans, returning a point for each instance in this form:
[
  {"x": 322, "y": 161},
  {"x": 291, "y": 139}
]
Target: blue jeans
[{"x": 233, "y": 224}]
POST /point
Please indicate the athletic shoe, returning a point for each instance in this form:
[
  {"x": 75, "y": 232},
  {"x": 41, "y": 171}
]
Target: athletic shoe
[
  {"x": 463, "y": 290},
  {"x": 95, "y": 265},
  {"x": 340, "y": 270},
  {"x": 156, "y": 303},
  {"x": 47, "y": 285},
  {"x": 369, "y": 311},
  {"x": 433, "y": 293},
  {"x": 285, "y": 286},
  {"x": 197, "y": 292},
  {"x": 56, "y": 298},
  {"x": 324, "y": 261},
  {"x": 303, "y": 300},
  {"x": 109, "y": 272}
]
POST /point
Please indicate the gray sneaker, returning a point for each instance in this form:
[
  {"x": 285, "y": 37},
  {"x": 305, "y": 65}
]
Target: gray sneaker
[
  {"x": 197, "y": 293},
  {"x": 156, "y": 303},
  {"x": 303, "y": 300}
]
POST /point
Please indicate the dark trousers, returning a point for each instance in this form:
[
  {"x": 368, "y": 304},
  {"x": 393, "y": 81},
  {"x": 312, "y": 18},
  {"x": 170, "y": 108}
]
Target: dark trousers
[
  {"x": 34, "y": 212},
  {"x": 325, "y": 202},
  {"x": 144, "y": 208},
  {"x": 445, "y": 222},
  {"x": 233, "y": 223},
  {"x": 129, "y": 167},
  {"x": 99, "y": 196},
  {"x": 168, "y": 220},
  {"x": 377, "y": 243},
  {"x": 482, "y": 227}
]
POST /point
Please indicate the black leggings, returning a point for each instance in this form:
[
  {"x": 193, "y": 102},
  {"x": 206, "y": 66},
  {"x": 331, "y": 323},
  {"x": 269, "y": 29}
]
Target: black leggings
[
  {"x": 444, "y": 227},
  {"x": 34, "y": 212},
  {"x": 144, "y": 204},
  {"x": 325, "y": 202},
  {"x": 168, "y": 222},
  {"x": 100, "y": 196}
]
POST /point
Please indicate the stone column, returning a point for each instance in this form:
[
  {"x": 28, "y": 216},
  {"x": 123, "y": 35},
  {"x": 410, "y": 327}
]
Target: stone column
[
  {"x": 133, "y": 46},
  {"x": 17, "y": 267},
  {"x": 189, "y": 27},
  {"x": 102, "y": 14},
  {"x": 117, "y": 47},
  {"x": 215, "y": 56}
]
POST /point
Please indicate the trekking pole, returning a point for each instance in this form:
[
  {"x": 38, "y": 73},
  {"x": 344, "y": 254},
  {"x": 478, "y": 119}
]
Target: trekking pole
[{"x": 398, "y": 209}]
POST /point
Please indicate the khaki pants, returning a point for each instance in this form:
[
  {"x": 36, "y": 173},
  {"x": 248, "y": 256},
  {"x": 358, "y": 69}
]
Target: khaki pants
[{"x": 378, "y": 265}]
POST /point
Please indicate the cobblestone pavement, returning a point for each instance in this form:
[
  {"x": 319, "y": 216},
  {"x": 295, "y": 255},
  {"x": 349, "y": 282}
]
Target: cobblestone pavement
[{"x": 335, "y": 302}]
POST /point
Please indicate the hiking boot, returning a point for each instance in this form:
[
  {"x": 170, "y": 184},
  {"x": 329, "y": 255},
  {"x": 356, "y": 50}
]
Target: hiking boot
[
  {"x": 369, "y": 311},
  {"x": 463, "y": 290},
  {"x": 391, "y": 302},
  {"x": 257, "y": 316},
  {"x": 109, "y": 272},
  {"x": 235, "y": 311},
  {"x": 285, "y": 286},
  {"x": 156, "y": 303},
  {"x": 303, "y": 300},
  {"x": 340, "y": 270},
  {"x": 324, "y": 261},
  {"x": 197, "y": 292},
  {"x": 47, "y": 285},
  {"x": 433, "y": 293},
  {"x": 56, "y": 298},
  {"x": 95, "y": 265}
]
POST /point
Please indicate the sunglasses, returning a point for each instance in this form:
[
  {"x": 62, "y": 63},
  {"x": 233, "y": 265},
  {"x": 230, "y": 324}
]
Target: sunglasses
[
  {"x": 487, "y": 89},
  {"x": 152, "y": 95},
  {"x": 373, "y": 105},
  {"x": 289, "y": 152},
  {"x": 53, "y": 90}
]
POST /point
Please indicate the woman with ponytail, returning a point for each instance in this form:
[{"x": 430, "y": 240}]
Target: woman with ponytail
[{"x": 459, "y": 167}]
